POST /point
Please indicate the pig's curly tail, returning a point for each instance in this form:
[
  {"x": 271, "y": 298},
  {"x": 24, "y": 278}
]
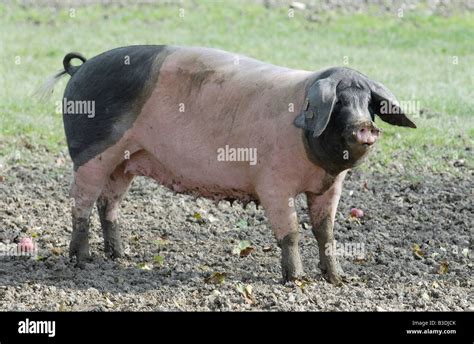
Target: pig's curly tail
[
  {"x": 67, "y": 62},
  {"x": 45, "y": 90}
]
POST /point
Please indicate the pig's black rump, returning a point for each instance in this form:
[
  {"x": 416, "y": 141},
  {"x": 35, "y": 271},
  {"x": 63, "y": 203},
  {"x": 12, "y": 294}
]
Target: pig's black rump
[{"x": 105, "y": 96}]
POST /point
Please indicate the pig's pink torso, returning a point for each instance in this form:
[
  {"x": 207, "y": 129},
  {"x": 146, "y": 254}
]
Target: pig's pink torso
[{"x": 201, "y": 104}]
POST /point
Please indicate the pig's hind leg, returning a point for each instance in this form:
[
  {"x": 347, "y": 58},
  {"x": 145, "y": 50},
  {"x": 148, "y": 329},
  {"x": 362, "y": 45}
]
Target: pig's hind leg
[
  {"x": 108, "y": 207},
  {"x": 89, "y": 179}
]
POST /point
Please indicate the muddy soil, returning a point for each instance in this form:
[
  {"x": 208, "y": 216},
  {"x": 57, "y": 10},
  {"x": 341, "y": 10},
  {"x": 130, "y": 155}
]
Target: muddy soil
[{"x": 182, "y": 253}]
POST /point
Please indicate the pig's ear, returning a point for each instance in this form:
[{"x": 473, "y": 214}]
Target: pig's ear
[
  {"x": 385, "y": 105},
  {"x": 318, "y": 107}
]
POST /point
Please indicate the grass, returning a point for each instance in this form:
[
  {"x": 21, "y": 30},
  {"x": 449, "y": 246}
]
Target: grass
[{"x": 423, "y": 59}]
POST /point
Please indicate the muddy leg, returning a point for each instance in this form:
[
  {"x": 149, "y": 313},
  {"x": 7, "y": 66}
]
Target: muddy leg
[
  {"x": 283, "y": 219},
  {"x": 108, "y": 206},
  {"x": 291, "y": 265},
  {"x": 322, "y": 209},
  {"x": 84, "y": 191}
]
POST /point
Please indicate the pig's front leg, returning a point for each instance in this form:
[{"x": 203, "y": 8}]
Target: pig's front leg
[
  {"x": 282, "y": 216},
  {"x": 322, "y": 210}
]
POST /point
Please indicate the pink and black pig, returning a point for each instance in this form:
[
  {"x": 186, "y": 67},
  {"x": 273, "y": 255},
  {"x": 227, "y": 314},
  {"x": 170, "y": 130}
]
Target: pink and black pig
[{"x": 166, "y": 111}]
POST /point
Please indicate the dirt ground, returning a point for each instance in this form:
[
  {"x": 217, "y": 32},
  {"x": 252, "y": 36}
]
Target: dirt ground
[{"x": 181, "y": 253}]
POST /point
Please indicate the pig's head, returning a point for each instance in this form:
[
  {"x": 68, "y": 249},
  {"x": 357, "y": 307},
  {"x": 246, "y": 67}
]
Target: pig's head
[{"x": 338, "y": 117}]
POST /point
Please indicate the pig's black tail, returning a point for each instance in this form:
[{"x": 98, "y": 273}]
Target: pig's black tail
[{"x": 67, "y": 62}]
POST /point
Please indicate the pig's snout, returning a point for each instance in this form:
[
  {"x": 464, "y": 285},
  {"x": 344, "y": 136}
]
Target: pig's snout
[{"x": 367, "y": 135}]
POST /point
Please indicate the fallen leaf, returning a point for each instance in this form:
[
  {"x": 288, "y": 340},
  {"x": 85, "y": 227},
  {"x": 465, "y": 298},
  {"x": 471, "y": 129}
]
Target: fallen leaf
[
  {"x": 465, "y": 252},
  {"x": 108, "y": 303},
  {"x": 366, "y": 186},
  {"x": 302, "y": 283},
  {"x": 243, "y": 249},
  {"x": 216, "y": 278},
  {"x": 198, "y": 217},
  {"x": 57, "y": 251},
  {"x": 246, "y": 291},
  {"x": 242, "y": 224},
  {"x": 417, "y": 251},
  {"x": 443, "y": 268},
  {"x": 360, "y": 260},
  {"x": 247, "y": 251},
  {"x": 159, "y": 259},
  {"x": 2, "y": 179},
  {"x": 243, "y": 244},
  {"x": 204, "y": 268},
  {"x": 144, "y": 266}
]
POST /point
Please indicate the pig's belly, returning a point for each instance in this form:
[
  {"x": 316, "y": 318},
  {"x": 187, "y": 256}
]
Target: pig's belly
[{"x": 214, "y": 182}]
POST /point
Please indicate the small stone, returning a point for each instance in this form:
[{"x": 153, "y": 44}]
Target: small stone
[
  {"x": 298, "y": 5},
  {"x": 108, "y": 303},
  {"x": 212, "y": 219}
]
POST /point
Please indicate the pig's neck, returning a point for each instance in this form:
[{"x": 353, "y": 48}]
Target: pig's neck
[{"x": 332, "y": 155}]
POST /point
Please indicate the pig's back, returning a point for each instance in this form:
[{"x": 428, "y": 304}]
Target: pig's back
[{"x": 206, "y": 100}]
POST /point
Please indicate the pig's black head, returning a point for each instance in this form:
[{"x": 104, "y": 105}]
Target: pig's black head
[{"x": 338, "y": 117}]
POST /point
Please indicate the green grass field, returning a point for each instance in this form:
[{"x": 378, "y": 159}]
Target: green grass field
[{"x": 425, "y": 60}]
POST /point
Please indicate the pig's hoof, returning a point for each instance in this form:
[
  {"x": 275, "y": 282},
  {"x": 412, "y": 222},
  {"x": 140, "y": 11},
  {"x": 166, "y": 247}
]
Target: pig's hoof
[
  {"x": 290, "y": 275},
  {"x": 81, "y": 259},
  {"x": 113, "y": 250},
  {"x": 333, "y": 278},
  {"x": 81, "y": 253},
  {"x": 112, "y": 241}
]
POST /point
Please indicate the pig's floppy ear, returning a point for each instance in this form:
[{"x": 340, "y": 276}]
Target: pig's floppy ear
[
  {"x": 385, "y": 105},
  {"x": 318, "y": 106}
]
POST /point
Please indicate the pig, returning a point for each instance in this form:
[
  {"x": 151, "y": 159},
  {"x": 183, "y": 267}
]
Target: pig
[{"x": 165, "y": 112}]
